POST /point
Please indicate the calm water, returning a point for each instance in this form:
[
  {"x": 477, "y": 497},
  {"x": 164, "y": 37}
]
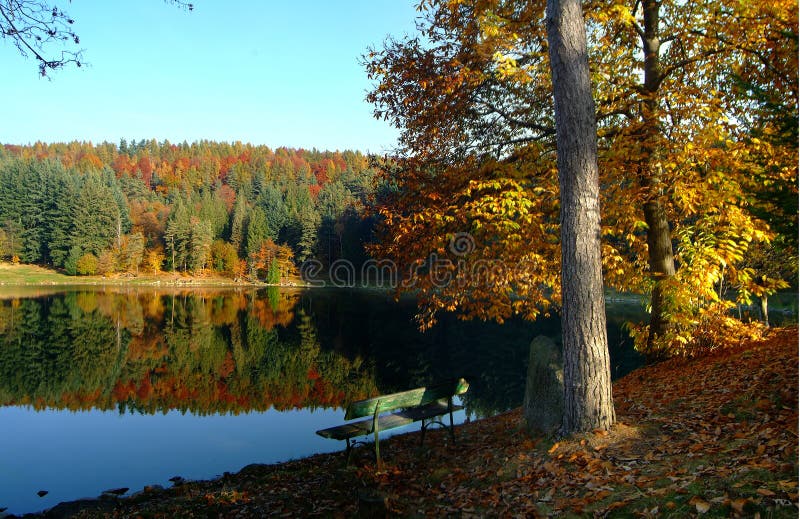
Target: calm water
[{"x": 107, "y": 389}]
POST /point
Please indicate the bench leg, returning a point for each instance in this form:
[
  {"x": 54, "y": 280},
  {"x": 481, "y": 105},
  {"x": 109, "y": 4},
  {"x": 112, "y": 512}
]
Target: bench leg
[
  {"x": 452, "y": 431},
  {"x": 377, "y": 447},
  {"x": 348, "y": 452},
  {"x": 422, "y": 433}
]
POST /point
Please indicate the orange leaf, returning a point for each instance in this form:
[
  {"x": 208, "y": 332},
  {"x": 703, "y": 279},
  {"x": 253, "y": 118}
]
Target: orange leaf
[{"x": 738, "y": 505}]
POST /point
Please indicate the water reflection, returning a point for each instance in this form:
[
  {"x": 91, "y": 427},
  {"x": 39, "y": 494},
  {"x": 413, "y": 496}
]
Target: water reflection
[
  {"x": 238, "y": 351},
  {"x": 492, "y": 357},
  {"x": 150, "y": 352},
  {"x": 199, "y": 382}
]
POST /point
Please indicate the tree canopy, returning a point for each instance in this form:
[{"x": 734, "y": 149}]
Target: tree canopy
[{"x": 471, "y": 97}]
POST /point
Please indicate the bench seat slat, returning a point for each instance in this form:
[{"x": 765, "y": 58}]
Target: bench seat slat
[
  {"x": 363, "y": 427},
  {"x": 390, "y": 421}
]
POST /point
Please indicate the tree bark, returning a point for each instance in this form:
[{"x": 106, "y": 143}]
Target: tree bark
[
  {"x": 587, "y": 374},
  {"x": 662, "y": 265},
  {"x": 659, "y": 240}
]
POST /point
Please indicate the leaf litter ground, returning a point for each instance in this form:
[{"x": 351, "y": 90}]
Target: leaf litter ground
[{"x": 713, "y": 436}]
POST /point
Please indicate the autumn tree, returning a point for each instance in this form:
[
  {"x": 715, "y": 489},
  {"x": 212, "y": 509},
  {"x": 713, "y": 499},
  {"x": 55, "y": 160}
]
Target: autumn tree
[
  {"x": 271, "y": 262},
  {"x": 763, "y": 95},
  {"x": 131, "y": 252},
  {"x": 224, "y": 257},
  {"x": 471, "y": 97},
  {"x": 691, "y": 160}
]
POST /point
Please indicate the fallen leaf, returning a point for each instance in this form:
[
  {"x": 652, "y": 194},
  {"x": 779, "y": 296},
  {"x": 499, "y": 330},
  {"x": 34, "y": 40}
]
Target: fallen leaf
[
  {"x": 738, "y": 505},
  {"x": 765, "y": 492},
  {"x": 700, "y": 504},
  {"x": 616, "y": 504}
]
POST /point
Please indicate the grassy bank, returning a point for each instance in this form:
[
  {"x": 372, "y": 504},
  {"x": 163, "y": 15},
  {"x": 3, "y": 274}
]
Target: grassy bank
[
  {"x": 20, "y": 274},
  {"x": 34, "y": 275},
  {"x": 713, "y": 436}
]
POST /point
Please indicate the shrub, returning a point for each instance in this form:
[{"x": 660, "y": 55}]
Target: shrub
[{"x": 86, "y": 265}]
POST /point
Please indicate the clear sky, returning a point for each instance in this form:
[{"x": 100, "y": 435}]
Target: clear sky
[{"x": 273, "y": 72}]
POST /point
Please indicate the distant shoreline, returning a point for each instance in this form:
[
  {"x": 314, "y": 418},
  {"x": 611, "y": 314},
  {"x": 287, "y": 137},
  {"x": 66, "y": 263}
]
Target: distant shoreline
[{"x": 35, "y": 275}]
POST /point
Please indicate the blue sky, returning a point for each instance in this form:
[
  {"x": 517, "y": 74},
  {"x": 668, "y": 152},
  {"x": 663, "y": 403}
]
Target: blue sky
[{"x": 268, "y": 72}]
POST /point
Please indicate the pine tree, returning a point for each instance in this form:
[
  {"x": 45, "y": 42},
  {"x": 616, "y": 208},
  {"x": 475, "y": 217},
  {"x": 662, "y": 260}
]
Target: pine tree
[
  {"x": 178, "y": 235},
  {"x": 257, "y": 231},
  {"x": 96, "y": 220},
  {"x": 238, "y": 223},
  {"x": 199, "y": 244},
  {"x": 274, "y": 208}
]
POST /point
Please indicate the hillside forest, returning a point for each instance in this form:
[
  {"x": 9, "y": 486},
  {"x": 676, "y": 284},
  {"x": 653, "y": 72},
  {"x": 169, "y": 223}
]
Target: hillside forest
[{"x": 238, "y": 210}]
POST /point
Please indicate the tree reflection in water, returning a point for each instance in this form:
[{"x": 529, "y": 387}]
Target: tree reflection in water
[
  {"x": 211, "y": 352},
  {"x": 225, "y": 352}
]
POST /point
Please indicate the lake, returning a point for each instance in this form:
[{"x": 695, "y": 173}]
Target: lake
[{"x": 117, "y": 387}]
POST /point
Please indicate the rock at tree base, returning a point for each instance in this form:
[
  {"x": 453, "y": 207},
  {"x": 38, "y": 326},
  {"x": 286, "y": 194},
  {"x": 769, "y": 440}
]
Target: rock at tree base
[{"x": 543, "y": 405}]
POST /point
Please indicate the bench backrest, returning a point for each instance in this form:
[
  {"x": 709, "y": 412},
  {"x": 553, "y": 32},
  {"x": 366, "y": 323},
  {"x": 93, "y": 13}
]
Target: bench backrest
[{"x": 411, "y": 398}]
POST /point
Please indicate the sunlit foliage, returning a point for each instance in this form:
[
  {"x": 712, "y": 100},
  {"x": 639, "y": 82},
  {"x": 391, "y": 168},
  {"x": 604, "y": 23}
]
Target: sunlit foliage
[{"x": 683, "y": 95}]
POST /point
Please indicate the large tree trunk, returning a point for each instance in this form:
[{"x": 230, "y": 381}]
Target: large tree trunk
[
  {"x": 587, "y": 374},
  {"x": 659, "y": 239}
]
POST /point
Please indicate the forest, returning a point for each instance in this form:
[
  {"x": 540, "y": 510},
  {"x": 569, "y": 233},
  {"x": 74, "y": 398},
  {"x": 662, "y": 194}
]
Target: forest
[{"x": 239, "y": 210}]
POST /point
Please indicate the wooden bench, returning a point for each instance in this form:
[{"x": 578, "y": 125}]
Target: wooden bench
[{"x": 398, "y": 409}]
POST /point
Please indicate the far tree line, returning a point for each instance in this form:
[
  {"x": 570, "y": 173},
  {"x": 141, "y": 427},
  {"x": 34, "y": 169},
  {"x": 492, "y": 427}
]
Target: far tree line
[{"x": 238, "y": 210}]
